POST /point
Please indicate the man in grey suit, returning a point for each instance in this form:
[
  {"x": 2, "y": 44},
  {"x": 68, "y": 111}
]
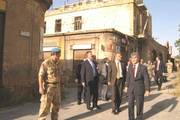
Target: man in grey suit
[
  {"x": 138, "y": 85},
  {"x": 116, "y": 77},
  {"x": 89, "y": 77},
  {"x": 103, "y": 79}
]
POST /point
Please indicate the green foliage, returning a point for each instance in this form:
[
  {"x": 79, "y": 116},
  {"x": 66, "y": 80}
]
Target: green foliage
[{"x": 177, "y": 43}]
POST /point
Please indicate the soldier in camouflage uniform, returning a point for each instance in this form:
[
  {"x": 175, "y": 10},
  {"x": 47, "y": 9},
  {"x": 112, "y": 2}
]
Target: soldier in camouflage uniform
[{"x": 49, "y": 86}]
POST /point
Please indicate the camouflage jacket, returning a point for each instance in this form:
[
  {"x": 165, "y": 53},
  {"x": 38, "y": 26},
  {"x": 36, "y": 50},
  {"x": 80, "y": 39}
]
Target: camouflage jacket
[{"x": 50, "y": 71}]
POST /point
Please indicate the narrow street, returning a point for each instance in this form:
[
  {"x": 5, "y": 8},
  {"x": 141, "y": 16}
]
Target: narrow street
[{"x": 158, "y": 106}]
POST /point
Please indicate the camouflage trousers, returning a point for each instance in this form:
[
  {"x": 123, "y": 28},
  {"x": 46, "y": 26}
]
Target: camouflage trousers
[{"x": 50, "y": 102}]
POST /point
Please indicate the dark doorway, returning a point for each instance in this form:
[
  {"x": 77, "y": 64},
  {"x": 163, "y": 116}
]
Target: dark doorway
[
  {"x": 2, "y": 22},
  {"x": 154, "y": 55}
]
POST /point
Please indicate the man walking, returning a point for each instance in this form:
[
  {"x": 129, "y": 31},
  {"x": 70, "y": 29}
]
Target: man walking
[
  {"x": 79, "y": 83},
  {"x": 138, "y": 85},
  {"x": 159, "y": 71},
  {"x": 116, "y": 77},
  {"x": 50, "y": 74},
  {"x": 89, "y": 77},
  {"x": 103, "y": 78}
]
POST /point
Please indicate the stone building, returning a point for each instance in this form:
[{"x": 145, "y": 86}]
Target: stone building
[
  {"x": 2, "y": 22},
  {"x": 22, "y": 31},
  {"x": 103, "y": 26}
]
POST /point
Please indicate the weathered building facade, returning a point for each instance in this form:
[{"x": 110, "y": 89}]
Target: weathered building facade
[
  {"x": 105, "y": 27},
  {"x": 20, "y": 49},
  {"x": 103, "y": 43}
]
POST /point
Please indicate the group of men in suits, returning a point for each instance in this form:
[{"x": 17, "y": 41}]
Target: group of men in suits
[{"x": 134, "y": 80}]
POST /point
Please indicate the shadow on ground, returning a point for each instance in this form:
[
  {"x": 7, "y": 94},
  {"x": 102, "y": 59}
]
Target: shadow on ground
[
  {"x": 160, "y": 106},
  {"x": 104, "y": 107},
  {"x": 19, "y": 111}
]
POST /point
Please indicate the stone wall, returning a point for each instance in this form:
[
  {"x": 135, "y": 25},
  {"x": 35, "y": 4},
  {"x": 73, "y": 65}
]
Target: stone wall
[{"x": 23, "y": 37}]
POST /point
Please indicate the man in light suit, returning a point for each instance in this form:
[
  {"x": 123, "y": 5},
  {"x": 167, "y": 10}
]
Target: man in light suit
[
  {"x": 89, "y": 77},
  {"x": 138, "y": 85},
  {"x": 116, "y": 77}
]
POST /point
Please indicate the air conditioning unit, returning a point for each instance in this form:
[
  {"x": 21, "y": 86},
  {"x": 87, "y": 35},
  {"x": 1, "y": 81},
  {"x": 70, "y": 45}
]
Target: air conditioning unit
[{"x": 139, "y": 2}]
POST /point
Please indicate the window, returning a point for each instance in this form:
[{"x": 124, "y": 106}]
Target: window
[
  {"x": 78, "y": 23},
  {"x": 136, "y": 24},
  {"x": 58, "y": 25},
  {"x": 44, "y": 27}
]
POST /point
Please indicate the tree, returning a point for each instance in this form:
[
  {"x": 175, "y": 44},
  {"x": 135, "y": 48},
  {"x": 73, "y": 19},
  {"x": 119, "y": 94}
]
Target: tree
[{"x": 177, "y": 43}]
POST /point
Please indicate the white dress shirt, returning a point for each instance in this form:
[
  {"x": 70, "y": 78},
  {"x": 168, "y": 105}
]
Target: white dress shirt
[
  {"x": 136, "y": 68},
  {"x": 118, "y": 63}
]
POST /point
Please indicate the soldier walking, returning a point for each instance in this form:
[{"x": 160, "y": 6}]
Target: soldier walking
[{"x": 49, "y": 85}]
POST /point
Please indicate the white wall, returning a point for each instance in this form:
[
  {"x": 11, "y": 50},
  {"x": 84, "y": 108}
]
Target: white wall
[{"x": 117, "y": 17}]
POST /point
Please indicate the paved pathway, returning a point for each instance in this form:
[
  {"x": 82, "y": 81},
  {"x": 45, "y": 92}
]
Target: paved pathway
[{"x": 158, "y": 106}]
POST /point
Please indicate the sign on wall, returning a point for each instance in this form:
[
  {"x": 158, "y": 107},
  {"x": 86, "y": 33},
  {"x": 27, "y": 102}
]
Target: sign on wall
[{"x": 81, "y": 46}]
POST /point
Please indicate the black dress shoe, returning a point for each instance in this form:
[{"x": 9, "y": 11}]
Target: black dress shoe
[
  {"x": 79, "y": 103},
  {"x": 116, "y": 111},
  {"x": 159, "y": 88},
  {"x": 97, "y": 107},
  {"x": 90, "y": 108}
]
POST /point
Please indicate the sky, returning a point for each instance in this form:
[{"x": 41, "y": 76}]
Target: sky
[{"x": 165, "y": 19}]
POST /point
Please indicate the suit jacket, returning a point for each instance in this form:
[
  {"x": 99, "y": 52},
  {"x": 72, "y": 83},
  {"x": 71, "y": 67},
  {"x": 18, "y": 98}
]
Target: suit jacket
[
  {"x": 103, "y": 73},
  {"x": 161, "y": 67},
  {"x": 140, "y": 83},
  {"x": 87, "y": 72},
  {"x": 112, "y": 72},
  {"x": 78, "y": 72}
]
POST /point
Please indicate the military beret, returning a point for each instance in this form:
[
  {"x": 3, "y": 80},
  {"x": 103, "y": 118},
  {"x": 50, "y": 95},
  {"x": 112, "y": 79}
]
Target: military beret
[{"x": 56, "y": 50}]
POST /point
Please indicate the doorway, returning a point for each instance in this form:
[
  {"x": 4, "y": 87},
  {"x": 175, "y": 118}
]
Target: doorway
[
  {"x": 78, "y": 56},
  {"x": 2, "y": 22}
]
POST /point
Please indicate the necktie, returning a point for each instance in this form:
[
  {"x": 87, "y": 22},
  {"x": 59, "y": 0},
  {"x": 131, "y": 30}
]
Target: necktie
[
  {"x": 93, "y": 67},
  {"x": 106, "y": 71},
  {"x": 133, "y": 71}
]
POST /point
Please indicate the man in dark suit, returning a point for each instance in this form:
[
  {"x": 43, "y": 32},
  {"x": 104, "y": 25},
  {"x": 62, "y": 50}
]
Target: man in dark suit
[
  {"x": 79, "y": 83},
  {"x": 138, "y": 85},
  {"x": 116, "y": 77},
  {"x": 89, "y": 77},
  {"x": 159, "y": 71}
]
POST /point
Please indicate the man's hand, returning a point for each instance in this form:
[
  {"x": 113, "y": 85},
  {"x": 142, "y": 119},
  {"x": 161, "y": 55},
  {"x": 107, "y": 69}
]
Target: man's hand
[
  {"x": 146, "y": 93},
  {"x": 76, "y": 80},
  {"x": 164, "y": 74},
  {"x": 83, "y": 83},
  {"x": 41, "y": 90},
  {"x": 109, "y": 83},
  {"x": 125, "y": 89},
  {"x": 42, "y": 87}
]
